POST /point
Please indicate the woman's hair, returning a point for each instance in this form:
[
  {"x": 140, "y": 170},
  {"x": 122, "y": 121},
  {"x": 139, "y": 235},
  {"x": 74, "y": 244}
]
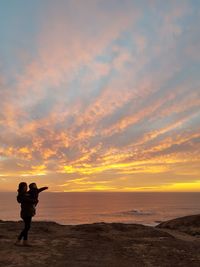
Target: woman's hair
[{"x": 21, "y": 187}]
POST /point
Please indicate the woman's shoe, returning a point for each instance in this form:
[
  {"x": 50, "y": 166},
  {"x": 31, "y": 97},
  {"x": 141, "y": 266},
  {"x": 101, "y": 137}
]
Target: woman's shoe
[
  {"x": 18, "y": 242},
  {"x": 26, "y": 244}
]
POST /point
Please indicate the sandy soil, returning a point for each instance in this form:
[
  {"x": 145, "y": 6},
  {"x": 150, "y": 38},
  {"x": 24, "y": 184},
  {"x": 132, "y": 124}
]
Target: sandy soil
[{"x": 102, "y": 244}]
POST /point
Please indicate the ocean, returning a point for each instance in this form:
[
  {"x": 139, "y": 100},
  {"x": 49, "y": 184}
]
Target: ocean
[{"x": 80, "y": 208}]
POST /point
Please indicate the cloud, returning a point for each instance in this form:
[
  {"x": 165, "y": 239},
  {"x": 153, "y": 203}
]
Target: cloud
[{"x": 108, "y": 99}]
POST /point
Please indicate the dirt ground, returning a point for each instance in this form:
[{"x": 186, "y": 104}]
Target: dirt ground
[{"x": 101, "y": 244}]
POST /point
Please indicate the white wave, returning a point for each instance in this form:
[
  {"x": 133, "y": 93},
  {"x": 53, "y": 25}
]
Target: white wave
[{"x": 137, "y": 212}]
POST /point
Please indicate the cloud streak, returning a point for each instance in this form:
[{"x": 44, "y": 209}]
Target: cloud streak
[{"x": 106, "y": 98}]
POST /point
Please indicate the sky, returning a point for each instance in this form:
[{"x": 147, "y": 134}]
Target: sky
[{"x": 100, "y": 95}]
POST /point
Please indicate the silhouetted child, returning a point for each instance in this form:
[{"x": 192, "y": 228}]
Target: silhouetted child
[{"x": 34, "y": 191}]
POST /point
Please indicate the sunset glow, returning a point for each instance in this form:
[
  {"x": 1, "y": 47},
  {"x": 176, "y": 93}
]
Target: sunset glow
[{"x": 100, "y": 95}]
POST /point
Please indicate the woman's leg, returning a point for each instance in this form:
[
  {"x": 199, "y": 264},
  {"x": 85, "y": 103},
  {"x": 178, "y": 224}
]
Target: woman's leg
[{"x": 27, "y": 225}]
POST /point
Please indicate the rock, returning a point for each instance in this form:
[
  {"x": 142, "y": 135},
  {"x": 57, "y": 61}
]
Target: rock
[{"x": 187, "y": 224}]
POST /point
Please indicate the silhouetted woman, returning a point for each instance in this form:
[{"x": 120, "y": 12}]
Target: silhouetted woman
[{"x": 27, "y": 212}]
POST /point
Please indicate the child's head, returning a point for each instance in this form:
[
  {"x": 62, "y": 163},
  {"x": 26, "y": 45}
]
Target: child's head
[{"x": 32, "y": 186}]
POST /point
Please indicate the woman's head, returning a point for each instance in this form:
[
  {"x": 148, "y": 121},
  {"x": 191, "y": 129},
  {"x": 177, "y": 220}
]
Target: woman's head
[{"x": 22, "y": 187}]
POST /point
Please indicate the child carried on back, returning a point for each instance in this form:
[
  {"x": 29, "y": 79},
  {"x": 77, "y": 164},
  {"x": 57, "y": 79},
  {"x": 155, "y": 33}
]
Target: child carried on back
[{"x": 34, "y": 191}]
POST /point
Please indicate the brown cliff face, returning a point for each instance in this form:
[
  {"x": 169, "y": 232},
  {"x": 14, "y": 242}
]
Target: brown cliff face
[
  {"x": 99, "y": 244},
  {"x": 187, "y": 224}
]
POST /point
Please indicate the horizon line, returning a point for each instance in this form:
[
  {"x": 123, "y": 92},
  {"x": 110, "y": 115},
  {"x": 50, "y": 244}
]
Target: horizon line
[{"x": 111, "y": 192}]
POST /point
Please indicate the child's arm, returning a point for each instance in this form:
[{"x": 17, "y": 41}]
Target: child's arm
[{"x": 42, "y": 189}]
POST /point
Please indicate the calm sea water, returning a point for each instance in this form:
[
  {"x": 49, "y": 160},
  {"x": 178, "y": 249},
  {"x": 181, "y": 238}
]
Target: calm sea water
[{"x": 78, "y": 208}]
